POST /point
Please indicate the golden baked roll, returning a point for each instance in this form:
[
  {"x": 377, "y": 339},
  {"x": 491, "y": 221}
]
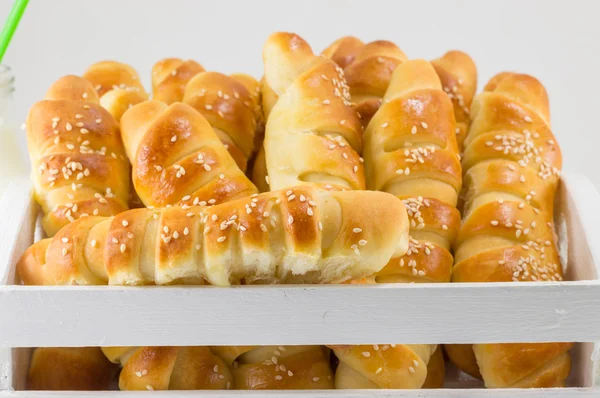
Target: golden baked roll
[
  {"x": 230, "y": 108},
  {"x": 170, "y": 77},
  {"x": 512, "y": 167},
  {"x": 368, "y": 69},
  {"x": 177, "y": 157},
  {"x": 118, "y": 86},
  {"x": 300, "y": 235},
  {"x": 79, "y": 167},
  {"x": 458, "y": 75},
  {"x": 313, "y": 135},
  {"x": 69, "y": 369}
]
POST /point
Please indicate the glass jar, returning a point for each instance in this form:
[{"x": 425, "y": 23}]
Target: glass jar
[{"x": 12, "y": 160}]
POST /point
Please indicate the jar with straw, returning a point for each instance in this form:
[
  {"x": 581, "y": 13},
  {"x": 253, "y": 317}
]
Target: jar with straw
[{"x": 12, "y": 161}]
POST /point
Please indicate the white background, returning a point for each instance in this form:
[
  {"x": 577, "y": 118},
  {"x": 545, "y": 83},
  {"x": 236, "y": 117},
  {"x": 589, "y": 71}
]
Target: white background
[{"x": 558, "y": 42}]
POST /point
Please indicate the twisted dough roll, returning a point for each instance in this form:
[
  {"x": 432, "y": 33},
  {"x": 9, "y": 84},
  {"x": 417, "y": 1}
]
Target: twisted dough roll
[
  {"x": 170, "y": 368},
  {"x": 177, "y": 157},
  {"x": 411, "y": 152},
  {"x": 78, "y": 162},
  {"x": 383, "y": 366},
  {"x": 230, "y": 108},
  {"x": 303, "y": 235},
  {"x": 170, "y": 77},
  {"x": 118, "y": 86},
  {"x": 279, "y": 367},
  {"x": 458, "y": 75},
  {"x": 511, "y": 164},
  {"x": 82, "y": 368},
  {"x": 312, "y": 135},
  {"x": 368, "y": 69}
]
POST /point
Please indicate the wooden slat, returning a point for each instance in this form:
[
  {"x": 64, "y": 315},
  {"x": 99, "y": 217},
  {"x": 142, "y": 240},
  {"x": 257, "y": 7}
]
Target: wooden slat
[
  {"x": 265, "y": 315},
  {"x": 444, "y": 393}
]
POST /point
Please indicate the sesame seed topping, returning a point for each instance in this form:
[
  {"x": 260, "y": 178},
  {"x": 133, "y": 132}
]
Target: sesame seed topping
[
  {"x": 124, "y": 223},
  {"x": 357, "y": 230},
  {"x": 221, "y": 239},
  {"x": 366, "y": 354},
  {"x": 290, "y": 219},
  {"x": 411, "y": 369},
  {"x": 424, "y": 125},
  {"x": 123, "y": 247},
  {"x": 315, "y": 379},
  {"x": 384, "y": 125}
]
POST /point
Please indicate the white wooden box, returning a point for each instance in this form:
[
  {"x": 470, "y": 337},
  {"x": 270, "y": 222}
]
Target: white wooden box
[{"x": 62, "y": 316}]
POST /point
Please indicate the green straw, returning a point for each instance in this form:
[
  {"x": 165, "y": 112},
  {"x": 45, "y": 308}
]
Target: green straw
[{"x": 11, "y": 25}]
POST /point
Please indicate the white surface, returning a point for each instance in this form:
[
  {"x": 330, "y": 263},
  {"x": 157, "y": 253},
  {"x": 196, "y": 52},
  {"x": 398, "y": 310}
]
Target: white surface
[
  {"x": 554, "y": 40},
  {"x": 442, "y": 313}
]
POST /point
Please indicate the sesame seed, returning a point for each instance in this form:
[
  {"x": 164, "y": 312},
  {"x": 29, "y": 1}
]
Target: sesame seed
[
  {"x": 124, "y": 223},
  {"x": 315, "y": 379},
  {"x": 186, "y": 231},
  {"x": 384, "y": 125},
  {"x": 413, "y": 130},
  {"x": 528, "y": 119},
  {"x": 310, "y": 212},
  {"x": 357, "y": 230},
  {"x": 65, "y": 240},
  {"x": 207, "y": 167},
  {"x": 379, "y": 370},
  {"x": 411, "y": 369},
  {"x": 494, "y": 223},
  {"x": 278, "y": 377},
  {"x": 424, "y": 125},
  {"x": 326, "y": 102},
  {"x": 366, "y": 354},
  {"x": 320, "y": 226},
  {"x": 93, "y": 243},
  {"x": 149, "y": 387},
  {"x": 208, "y": 107},
  {"x": 221, "y": 239},
  {"x": 123, "y": 247},
  {"x": 174, "y": 138},
  {"x": 290, "y": 219},
  {"x": 362, "y": 242},
  {"x": 355, "y": 168}
]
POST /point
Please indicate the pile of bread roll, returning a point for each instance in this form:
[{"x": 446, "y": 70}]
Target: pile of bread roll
[{"x": 358, "y": 165}]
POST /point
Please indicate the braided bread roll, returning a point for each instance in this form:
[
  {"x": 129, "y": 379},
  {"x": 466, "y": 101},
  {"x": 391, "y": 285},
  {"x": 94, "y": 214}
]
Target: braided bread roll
[
  {"x": 118, "y": 86},
  {"x": 382, "y": 366},
  {"x": 279, "y": 367},
  {"x": 313, "y": 136},
  {"x": 368, "y": 70},
  {"x": 78, "y": 162},
  {"x": 511, "y": 164},
  {"x": 170, "y": 368},
  {"x": 170, "y": 77},
  {"x": 230, "y": 108},
  {"x": 302, "y": 235},
  {"x": 458, "y": 75},
  {"x": 177, "y": 157},
  {"x": 82, "y": 368},
  {"x": 411, "y": 152}
]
